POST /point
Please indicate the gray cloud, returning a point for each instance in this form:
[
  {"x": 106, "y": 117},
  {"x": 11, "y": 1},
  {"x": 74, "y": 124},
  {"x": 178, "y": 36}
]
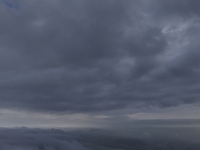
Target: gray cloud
[
  {"x": 183, "y": 8},
  {"x": 88, "y": 56}
]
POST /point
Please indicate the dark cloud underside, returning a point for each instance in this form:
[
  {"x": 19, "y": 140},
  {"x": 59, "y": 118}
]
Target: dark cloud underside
[{"x": 85, "y": 56}]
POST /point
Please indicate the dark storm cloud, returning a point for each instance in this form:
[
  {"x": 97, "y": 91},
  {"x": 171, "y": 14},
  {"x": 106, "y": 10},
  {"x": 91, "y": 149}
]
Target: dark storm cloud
[
  {"x": 183, "y": 8},
  {"x": 88, "y": 56}
]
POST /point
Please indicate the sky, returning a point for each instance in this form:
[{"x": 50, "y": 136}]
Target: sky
[{"x": 103, "y": 63}]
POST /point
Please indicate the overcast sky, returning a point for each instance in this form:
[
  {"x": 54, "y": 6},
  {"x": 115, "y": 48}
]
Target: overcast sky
[{"x": 97, "y": 62}]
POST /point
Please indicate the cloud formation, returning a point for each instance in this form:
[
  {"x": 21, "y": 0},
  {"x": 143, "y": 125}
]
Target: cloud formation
[
  {"x": 89, "y": 56},
  {"x": 37, "y": 139}
]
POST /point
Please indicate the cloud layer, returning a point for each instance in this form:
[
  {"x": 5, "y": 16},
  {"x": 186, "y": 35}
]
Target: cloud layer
[
  {"x": 88, "y": 56},
  {"x": 36, "y": 139}
]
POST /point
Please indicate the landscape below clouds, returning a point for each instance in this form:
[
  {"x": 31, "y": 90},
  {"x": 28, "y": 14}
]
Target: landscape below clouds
[
  {"x": 139, "y": 138},
  {"x": 37, "y": 139}
]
